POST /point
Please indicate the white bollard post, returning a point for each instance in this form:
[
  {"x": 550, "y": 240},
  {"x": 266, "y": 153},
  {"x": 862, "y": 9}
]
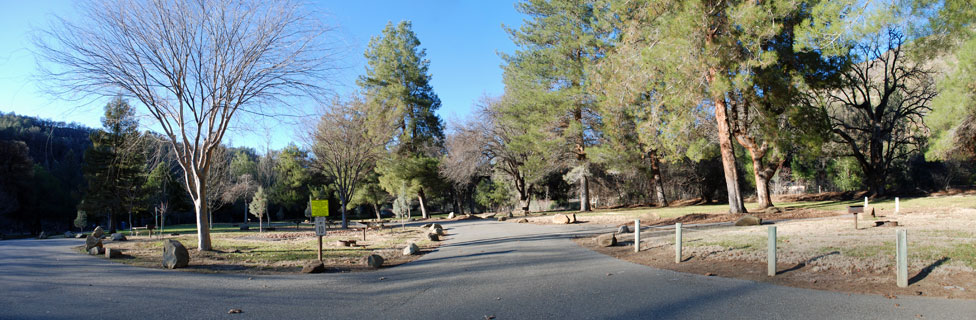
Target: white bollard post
[
  {"x": 902, "y": 257},
  {"x": 636, "y": 235},
  {"x": 865, "y": 203},
  {"x": 897, "y": 205},
  {"x": 771, "y": 252},
  {"x": 677, "y": 242}
]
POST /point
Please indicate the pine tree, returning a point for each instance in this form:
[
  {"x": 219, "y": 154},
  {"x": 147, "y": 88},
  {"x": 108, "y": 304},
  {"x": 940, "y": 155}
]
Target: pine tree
[
  {"x": 397, "y": 84},
  {"x": 114, "y": 165}
]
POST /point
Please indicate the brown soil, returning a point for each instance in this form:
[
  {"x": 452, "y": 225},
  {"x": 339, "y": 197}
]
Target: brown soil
[
  {"x": 826, "y": 254},
  {"x": 785, "y": 214}
]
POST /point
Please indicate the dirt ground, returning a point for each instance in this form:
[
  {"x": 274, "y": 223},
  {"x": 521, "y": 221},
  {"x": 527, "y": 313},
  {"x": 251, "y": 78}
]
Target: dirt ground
[
  {"x": 825, "y": 253},
  {"x": 279, "y": 251}
]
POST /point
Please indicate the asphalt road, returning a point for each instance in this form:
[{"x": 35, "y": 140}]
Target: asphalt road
[{"x": 484, "y": 268}]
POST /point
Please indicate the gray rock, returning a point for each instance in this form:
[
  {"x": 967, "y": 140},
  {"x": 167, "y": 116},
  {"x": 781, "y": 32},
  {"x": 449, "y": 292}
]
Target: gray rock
[
  {"x": 43, "y": 235},
  {"x": 313, "y": 267},
  {"x": 606, "y": 240},
  {"x": 175, "y": 254},
  {"x": 773, "y": 210},
  {"x": 69, "y": 234},
  {"x": 436, "y": 226},
  {"x": 113, "y": 253},
  {"x": 92, "y": 242},
  {"x": 96, "y": 251},
  {"x": 373, "y": 261},
  {"x": 450, "y": 215},
  {"x": 561, "y": 219},
  {"x": 98, "y": 233},
  {"x": 748, "y": 220},
  {"x": 426, "y": 225},
  {"x": 437, "y": 231},
  {"x": 502, "y": 218},
  {"x": 623, "y": 229},
  {"x": 523, "y": 220},
  {"x": 118, "y": 237},
  {"x": 80, "y": 235},
  {"x": 510, "y": 215},
  {"x": 433, "y": 237},
  {"x": 410, "y": 249}
]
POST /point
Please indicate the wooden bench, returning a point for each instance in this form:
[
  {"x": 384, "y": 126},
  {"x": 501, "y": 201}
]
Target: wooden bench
[{"x": 137, "y": 230}]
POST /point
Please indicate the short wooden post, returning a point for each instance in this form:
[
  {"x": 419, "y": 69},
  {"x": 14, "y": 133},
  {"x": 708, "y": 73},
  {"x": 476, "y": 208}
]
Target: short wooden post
[
  {"x": 636, "y": 235},
  {"x": 771, "y": 252},
  {"x": 320, "y": 248},
  {"x": 897, "y": 205},
  {"x": 865, "y": 203},
  {"x": 677, "y": 242},
  {"x": 902, "y": 257}
]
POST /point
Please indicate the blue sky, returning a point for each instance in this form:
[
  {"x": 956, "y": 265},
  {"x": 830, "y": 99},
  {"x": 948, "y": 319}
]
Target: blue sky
[{"x": 462, "y": 39}]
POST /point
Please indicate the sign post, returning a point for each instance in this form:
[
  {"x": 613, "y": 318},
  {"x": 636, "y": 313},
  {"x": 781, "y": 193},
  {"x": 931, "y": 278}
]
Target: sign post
[{"x": 320, "y": 210}]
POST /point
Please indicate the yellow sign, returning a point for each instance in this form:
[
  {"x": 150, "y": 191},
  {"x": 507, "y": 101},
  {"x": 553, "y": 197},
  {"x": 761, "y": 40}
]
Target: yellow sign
[{"x": 320, "y": 208}]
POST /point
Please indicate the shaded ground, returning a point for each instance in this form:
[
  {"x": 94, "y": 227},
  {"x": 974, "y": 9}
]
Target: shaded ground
[
  {"x": 282, "y": 251},
  {"x": 826, "y": 253}
]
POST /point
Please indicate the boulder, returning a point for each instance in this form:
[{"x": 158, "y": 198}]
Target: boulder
[
  {"x": 436, "y": 226},
  {"x": 748, "y": 220},
  {"x": 523, "y": 220},
  {"x": 245, "y": 228},
  {"x": 43, "y": 235},
  {"x": 175, "y": 254},
  {"x": 92, "y": 242},
  {"x": 572, "y": 217},
  {"x": 98, "y": 233},
  {"x": 118, "y": 237},
  {"x": 96, "y": 251},
  {"x": 113, "y": 253},
  {"x": 410, "y": 249},
  {"x": 450, "y": 215},
  {"x": 373, "y": 261},
  {"x": 510, "y": 215},
  {"x": 502, "y": 218},
  {"x": 623, "y": 229},
  {"x": 438, "y": 231},
  {"x": 606, "y": 240},
  {"x": 560, "y": 219},
  {"x": 80, "y": 235},
  {"x": 69, "y": 234},
  {"x": 433, "y": 237},
  {"x": 313, "y": 267},
  {"x": 773, "y": 210}
]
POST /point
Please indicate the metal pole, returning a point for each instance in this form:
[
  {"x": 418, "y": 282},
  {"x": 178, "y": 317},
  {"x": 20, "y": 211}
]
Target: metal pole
[
  {"x": 677, "y": 242},
  {"x": 771, "y": 253},
  {"x": 902, "y": 257},
  {"x": 636, "y": 235}
]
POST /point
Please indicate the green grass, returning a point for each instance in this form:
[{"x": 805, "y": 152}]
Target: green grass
[{"x": 863, "y": 251}]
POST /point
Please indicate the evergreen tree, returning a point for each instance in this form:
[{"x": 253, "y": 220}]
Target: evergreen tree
[
  {"x": 397, "y": 83},
  {"x": 550, "y": 73},
  {"x": 113, "y": 166}
]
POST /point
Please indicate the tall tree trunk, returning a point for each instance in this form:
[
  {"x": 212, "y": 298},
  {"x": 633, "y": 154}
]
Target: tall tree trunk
[
  {"x": 658, "y": 183},
  {"x": 728, "y": 157},
  {"x": 345, "y": 222},
  {"x": 762, "y": 183},
  {"x": 111, "y": 222},
  {"x": 203, "y": 228},
  {"x": 376, "y": 209},
  {"x": 423, "y": 205},
  {"x": 585, "y": 194},
  {"x": 524, "y": 200}
]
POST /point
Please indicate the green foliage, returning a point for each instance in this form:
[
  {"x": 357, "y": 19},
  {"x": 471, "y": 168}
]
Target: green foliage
[
  {"x": 293, "y": 176},
  {"x": 953, "y": 116},
  {"x": 259, "y": 204},
  {"x": 492, "y": 195},
  {"x": 409, "y": 175},
  {"x": 397, "y": 78},
  {"x": 81, "y": 221}
]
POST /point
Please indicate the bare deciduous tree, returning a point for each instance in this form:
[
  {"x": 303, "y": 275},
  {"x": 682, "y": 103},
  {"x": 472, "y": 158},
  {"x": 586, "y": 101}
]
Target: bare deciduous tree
[
  {"x": 877, "y": 112},
  {"x": 194, "y": 64},
  {"x": 347, "y": 142}
]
